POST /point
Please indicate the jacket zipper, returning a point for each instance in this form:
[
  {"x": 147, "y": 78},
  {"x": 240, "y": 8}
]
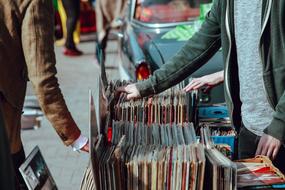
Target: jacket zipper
[
  {"x": 228, "y": 57},
  {"x": 262, "y": 30}
]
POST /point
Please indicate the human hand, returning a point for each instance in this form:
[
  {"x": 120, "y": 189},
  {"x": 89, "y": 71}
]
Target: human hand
[
  {"x": 85, "y": 148},
  {"x": 268, "y": 146},
  {"x": 209, "y": 81},
  {"x": 81, "y": 143},
  {"x": 130, "y": 91}
]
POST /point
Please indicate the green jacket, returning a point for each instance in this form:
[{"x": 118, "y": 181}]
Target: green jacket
[{"x": 218, "y": 31}]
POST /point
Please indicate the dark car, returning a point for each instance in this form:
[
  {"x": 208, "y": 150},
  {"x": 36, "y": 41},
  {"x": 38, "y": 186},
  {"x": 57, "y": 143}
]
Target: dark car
[{"x": 154, "y": 30}]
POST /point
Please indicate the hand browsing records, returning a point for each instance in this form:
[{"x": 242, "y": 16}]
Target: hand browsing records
[
  {"x": 207, "y": 81},
  {"x": 130, "y": 91},
  {"x": 268, "y": 146},
  {"x": 85, "y": 148}
]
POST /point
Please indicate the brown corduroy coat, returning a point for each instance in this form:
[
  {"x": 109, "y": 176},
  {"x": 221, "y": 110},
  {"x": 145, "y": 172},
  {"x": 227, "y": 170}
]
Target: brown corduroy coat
[{"x": 27, "y": 51}]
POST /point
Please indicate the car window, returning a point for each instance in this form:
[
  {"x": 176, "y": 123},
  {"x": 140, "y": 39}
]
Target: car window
[{"x": 168, "y": 11}]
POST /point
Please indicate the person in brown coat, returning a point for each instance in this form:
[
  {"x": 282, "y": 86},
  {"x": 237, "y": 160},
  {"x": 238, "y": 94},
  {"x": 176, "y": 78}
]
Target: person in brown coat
[{"x": 27, "y": 52}]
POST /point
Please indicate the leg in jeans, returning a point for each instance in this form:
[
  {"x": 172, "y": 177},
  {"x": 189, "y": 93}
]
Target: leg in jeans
[{"x": 72, "y": 9}]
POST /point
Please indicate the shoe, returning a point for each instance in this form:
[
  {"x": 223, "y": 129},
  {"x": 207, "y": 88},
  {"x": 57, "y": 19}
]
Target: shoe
[{"x": 72, "y": 52}]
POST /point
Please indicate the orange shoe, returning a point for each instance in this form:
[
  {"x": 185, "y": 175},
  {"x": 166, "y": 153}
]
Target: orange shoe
[{"x": 72, "y": 52}]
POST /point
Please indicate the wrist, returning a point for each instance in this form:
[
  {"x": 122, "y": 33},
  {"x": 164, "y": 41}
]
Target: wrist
[
  {"x": 219, "y": 77},
  {"x": 79, "y": 143}
]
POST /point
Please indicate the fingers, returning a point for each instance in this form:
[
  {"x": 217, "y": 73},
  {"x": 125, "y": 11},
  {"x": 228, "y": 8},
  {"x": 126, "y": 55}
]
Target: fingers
[
  {"x": 259, "y": 147},
  {"x": 275, "y": 152},
  {"x": 118, "y": 92},
  {"x": 269, "y": 151},
  {"x": 264, "y": 148},
  {"x": 127, "y": 89},
  {"x": 207, "y": 80},
  {"x": 272, "y": 151},
  {"x": 194, "y": 85},
  {"x": 128, "y": 92},
  {"x": 132, "y": 92},
  {"x": 122, "y": 92},
  {"x": 189, "y": 87},
  {"x": 132, "y": 95},
  {"x": 268, "y": 146},
  {"x": 199, "y": 85},
  {"x": 122, "y": 97}
]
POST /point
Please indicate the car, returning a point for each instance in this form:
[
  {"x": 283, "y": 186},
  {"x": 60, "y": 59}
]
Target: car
[{"x": 152, "y": 31}]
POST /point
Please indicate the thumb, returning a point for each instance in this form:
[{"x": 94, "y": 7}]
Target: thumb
[{"x": 85, "y": 148}]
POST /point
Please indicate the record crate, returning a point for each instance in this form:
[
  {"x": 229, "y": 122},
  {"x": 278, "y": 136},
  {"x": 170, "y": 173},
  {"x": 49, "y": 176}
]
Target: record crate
[{"x": 216, "y": 117}]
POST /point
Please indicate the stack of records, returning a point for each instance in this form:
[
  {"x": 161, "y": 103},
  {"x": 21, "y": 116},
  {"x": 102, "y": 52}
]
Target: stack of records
[
  {"x": 216, "y": 117},
  {"x": 167, "y": 107},
  {"x": 158, "y": 134},
  {"x": 223, "y": 138},
  {"x": 222, "y": 170},
  {"x": 219, "y": 129},
  {"x": 124, "y": 166},
  {"x": 154, "y": 148},
  {"x": 259, "y": 173},
  {"x": 207, "y": 140}
]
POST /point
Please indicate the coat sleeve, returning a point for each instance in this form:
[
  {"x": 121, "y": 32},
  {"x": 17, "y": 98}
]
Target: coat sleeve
[
  {"x": 38, "y": 46},
  {"x": 194, "y": 54},
  {"x": 276, "y": 128}
]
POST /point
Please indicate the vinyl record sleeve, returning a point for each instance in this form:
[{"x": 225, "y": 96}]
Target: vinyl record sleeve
[{"x": 36, "y": 173}]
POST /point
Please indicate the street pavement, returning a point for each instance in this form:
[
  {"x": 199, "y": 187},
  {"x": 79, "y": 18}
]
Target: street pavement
[{"x": 76, "y": 76}]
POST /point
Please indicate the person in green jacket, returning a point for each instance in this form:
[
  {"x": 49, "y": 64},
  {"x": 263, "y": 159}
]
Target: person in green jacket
[{"x": 252, "y": 37}]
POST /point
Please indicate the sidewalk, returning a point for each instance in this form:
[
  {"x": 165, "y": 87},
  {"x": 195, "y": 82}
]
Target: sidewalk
[{"x": 76, "y": 76}]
